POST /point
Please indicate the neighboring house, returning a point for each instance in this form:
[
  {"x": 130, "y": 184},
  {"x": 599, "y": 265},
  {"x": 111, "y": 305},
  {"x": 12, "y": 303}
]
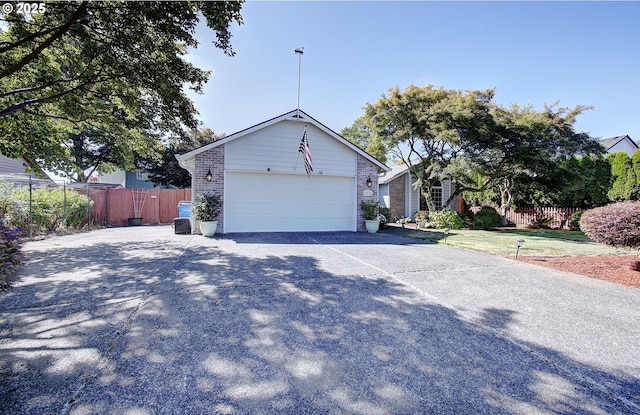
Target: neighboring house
[
  {"x": 15, "y": 171},
  {"x": 398, "y": 193},
  {"x": 128, "y": 179},
  {"x": 260, "y": 174},
  {"x": 619, "y": 143}
]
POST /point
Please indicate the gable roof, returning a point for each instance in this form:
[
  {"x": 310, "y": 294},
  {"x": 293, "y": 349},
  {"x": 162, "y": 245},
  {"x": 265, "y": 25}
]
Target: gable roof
[
  {"x": 16, "y": 169},
  {"x": 396, "y": 171},
  {"x": 609, "y": 143},
  {"x": 295, "y": 115}
]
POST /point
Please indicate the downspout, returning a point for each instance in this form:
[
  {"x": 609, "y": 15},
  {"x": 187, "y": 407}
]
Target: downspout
[{"x": 192, "y": 172}]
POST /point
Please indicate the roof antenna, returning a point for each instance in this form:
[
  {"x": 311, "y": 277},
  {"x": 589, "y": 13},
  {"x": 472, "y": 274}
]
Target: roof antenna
[{"x": 299, "y": 51}]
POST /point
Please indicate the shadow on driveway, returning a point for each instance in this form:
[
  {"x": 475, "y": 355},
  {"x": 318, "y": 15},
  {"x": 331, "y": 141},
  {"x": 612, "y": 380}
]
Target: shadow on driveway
[
  {"x": 383, "y": 237},
  {"x": 162, "y": 327}
]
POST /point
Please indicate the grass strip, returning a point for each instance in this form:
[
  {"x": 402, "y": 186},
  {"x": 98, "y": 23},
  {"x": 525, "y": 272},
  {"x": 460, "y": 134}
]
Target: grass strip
[{"x": 537, "y": 242}]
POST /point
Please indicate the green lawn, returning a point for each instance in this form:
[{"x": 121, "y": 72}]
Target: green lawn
[{"x": 537, "y": 242}]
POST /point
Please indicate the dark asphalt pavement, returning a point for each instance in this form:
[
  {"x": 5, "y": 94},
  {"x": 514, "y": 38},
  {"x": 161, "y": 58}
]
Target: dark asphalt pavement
[{"x": 142, "y": 321}]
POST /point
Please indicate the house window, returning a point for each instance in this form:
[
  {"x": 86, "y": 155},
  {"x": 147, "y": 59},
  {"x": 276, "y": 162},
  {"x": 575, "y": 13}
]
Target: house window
[
  {"x": 436, "y": 195},
  {"x": 140, "y": 175}
]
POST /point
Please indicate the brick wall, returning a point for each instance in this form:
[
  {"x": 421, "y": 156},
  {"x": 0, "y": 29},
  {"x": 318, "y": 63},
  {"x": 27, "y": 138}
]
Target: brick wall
[
  {"x": 397, "y": 197},
  {"x": 211, "y": 159},
  {"x": 366, "y": 170}
]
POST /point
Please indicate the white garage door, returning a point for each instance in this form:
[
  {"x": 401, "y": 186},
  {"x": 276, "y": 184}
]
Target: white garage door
[{"x": 272, "y": 202}]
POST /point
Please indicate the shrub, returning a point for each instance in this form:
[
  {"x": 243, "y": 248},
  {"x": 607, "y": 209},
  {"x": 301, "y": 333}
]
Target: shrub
[
  {"x": 370, "y": 210},
  {"x": 207, "y": 207},
  {"x": 9, "y": 254},
  {"x": 421, "y": 217},
  {"x": 47, "y": 208},
  {"x": 617, "y": 224},
  {"x": 7, "y": 203},
  {"x": 385, "y": 216},
  {"x": 574, "y": 220},
  {"x": 540, "y": 221},
  {"x": 467, "y": 222},
  {"x": 487, "y": 218},
  {"x": 446, "y": 218}
]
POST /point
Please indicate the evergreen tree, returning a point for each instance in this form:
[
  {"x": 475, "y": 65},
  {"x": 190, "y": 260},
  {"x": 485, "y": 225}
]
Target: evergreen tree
[{"x": 625, "y": 171}]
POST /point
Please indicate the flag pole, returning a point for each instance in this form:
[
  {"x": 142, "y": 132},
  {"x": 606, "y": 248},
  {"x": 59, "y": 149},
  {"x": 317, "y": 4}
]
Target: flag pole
[
  {"x": 298, "y": 158},
  {"x": 299, "y": 51}
]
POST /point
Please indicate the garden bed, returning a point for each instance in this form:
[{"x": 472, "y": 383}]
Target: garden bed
[{"x": 620, "y": 269}]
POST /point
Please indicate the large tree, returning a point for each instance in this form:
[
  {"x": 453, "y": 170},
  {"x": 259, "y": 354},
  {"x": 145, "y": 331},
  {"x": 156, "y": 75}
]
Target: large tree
[
  {"x": 428, "y": 128},
  {"x": 523, "y": 144},
  {"x": 96, "y": 151},
  {"x": 466, "y": 137},
  {"x": 164, "y": 168},
  {"x": 360, "y": 134},
  {"x": 581, "y": 182},
  {"x": 112, "y": 66}
]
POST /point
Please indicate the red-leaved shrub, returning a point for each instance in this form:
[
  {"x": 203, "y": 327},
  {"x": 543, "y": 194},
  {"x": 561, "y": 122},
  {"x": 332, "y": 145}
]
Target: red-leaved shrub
[{"x": 617, "y": 224}]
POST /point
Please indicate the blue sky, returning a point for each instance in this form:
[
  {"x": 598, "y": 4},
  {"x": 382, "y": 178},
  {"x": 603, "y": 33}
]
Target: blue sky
[{"x": 532, "y": 52}]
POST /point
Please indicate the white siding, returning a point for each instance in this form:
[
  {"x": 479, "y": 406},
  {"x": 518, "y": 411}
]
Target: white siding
[
  {"x": 116, "y": 177},
  {"x": 384, "y": 198},
  {"x": 414, "y": 197},
  {"x": 276, "y": 148},
  {"x": 625, "y": 146}
]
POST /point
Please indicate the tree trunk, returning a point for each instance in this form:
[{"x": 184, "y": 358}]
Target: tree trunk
[
  {"x": 428, "y": 198},
  {"x": 505, "y": 197}
]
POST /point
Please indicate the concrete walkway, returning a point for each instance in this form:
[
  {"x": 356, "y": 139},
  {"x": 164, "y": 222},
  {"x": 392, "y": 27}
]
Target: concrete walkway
[{"x": 142, "y": 321}]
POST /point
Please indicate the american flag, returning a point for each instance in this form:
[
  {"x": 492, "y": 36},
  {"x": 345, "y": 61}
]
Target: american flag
[{"x": 306, "y": 153}]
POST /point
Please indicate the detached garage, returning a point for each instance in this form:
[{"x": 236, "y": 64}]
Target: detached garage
[{"x": 265, "y": 186}]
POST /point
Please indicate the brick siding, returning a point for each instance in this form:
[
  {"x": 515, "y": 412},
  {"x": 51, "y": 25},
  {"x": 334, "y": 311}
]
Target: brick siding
[
  {"x": 211, "y": 159},
  {"x": 397, "y": 197},
  {"x": 366, "y": 170}
]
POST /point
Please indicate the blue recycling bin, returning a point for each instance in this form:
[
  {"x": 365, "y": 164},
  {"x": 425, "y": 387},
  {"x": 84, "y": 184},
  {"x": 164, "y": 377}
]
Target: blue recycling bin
[{"x": 184, "y": 209}]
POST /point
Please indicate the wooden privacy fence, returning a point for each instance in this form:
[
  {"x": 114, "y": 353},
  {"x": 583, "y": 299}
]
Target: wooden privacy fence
[
  {"x": 112, "y": 207},
  {"x": 525, "y": 216}
]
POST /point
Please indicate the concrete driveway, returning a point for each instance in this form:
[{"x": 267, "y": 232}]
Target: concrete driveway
[{"x": 142, "y": 321}]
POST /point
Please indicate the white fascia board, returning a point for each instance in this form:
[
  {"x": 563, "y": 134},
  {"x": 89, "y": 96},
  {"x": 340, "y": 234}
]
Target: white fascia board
[{"x": 391, "y": 174}]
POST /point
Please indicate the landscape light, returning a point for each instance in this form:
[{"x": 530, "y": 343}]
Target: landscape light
[
  {"x": 446, "y": 233},
  {"x": 520, "y": 242}
]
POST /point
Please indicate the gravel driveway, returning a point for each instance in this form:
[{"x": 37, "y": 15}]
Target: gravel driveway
[{"x": 142, "y": 321}]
